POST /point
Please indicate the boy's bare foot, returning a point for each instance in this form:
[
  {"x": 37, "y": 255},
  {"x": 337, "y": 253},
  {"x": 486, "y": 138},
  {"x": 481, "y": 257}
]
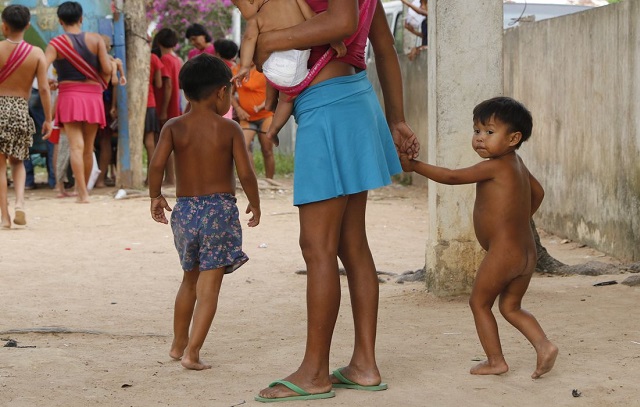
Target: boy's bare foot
[
  {"x": 485, "y": 368},
  {"x": 313, "y": 385},
  {"x": 6, "y": 223},
  {"x": 546, "y": 359},
  {"x": 177, "y": 350}
]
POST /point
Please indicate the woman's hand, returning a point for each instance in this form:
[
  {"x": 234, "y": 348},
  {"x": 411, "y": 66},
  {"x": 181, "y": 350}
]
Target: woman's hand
[{"x": 405, "y": 139}]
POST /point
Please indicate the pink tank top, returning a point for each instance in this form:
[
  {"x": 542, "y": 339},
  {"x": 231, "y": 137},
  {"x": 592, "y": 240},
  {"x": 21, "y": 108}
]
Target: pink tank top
[{"x": 355, "y": 51}]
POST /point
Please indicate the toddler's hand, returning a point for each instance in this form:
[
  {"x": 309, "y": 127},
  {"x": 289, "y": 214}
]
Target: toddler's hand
[
  {"x": 255, "y": 219},
  {"x": 340, "y": 48},
  {"x": 406, "y": 162},
  {"x": 158, "y": 206}
]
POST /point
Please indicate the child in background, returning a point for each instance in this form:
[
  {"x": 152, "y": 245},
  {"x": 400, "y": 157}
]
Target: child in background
[
  {"x": 285, "y": 68},
  {"x": 507, "y": 195},
  {"x": 204, "y": 221}
]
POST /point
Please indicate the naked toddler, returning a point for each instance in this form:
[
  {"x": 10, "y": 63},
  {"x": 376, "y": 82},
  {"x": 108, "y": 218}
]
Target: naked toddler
[{"x": 507, "y": 195}]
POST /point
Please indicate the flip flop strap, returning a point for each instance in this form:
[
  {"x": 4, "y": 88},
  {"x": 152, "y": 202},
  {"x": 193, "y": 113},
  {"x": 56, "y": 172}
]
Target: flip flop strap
[
  {"x": 290, "y": 386},
  {"x": 342, "y": 379}
]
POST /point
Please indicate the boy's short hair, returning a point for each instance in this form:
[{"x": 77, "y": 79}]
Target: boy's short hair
[
  {"x": 167, "y": 38},
  {"x": 197, "y": 29},
  {"x": 227, "y": 49},
  {"x": 17, "y": 17},
  {"x": 70, "y": 12},
  {"x": 508, "y": 111},
  {"x": 202, "y": 75}
]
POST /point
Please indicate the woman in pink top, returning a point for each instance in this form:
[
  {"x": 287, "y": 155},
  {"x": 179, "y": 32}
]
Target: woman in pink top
[
  {"x": 344, "y": 148},
  {"x": 200, "y": 39}
]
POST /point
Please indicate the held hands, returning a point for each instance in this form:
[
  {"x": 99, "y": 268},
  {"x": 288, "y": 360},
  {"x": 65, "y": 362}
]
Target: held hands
[
  {"x": 255, "y": 218},
  {"x": 340, "y": 48},
  {"x": 158, "y": 206},
  {"x": 405, "y": 139},
  {"x": 407, "y": 163}
]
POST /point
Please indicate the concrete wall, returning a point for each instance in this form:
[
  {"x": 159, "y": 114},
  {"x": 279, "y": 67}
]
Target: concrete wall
[{"x": 580, "y": 77}]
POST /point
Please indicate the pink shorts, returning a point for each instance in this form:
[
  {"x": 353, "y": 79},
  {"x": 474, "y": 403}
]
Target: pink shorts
[{"x": 80, "y": 102}]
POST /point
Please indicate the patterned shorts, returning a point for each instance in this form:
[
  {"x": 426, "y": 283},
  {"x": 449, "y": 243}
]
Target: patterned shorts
[
  {"x": 16, "y": 127},
  {"x": 207, "y": 232}
]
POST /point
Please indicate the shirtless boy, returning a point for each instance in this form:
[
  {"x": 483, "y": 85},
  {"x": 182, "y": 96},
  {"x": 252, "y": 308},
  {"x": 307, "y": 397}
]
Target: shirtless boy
[
  {"x": 20, "y": 63},
  {"x": 507, "y": 195},
  {"x": 285, "y": 68},
  {"x": 205, "y": 146}
]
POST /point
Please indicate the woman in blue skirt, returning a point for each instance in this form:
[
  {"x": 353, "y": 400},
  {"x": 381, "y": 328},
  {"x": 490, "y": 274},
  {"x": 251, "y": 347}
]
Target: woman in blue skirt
[{"x": 345, "y": 146}]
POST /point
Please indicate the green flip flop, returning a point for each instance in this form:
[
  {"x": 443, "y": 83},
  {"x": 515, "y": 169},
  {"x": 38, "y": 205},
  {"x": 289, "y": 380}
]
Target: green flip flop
[
  {"x": 303, "y": 395},
  {"x": 348, "y": 384}
]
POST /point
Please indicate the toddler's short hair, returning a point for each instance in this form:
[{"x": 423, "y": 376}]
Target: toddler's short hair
[
  {"x": 70, "y": 12},
  {"x": 508, "y": 111},
  {"x": 202, "y": 75},
  {"x": 16, "y": 17}
]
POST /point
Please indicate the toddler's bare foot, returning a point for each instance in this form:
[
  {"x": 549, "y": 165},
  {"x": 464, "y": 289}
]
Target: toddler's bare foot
[
  {"x": 486, "y": 368},
  {"x": 546, "y": 359},
  {"x": 6, "y": 223},
  {"x": 193, "y": 364}
]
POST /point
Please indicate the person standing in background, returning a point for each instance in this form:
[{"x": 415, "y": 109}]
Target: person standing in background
[
  {"x": 199, "y": 37},
  {"x": 82, "y": 63},
  {"x": 168, "y": 98}
]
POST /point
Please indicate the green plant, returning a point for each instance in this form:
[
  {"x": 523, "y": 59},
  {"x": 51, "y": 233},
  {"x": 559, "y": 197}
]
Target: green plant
[{"x": 284, "y": 163}]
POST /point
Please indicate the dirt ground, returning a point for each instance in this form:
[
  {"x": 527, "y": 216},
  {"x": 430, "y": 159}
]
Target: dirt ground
[{"x": 87, "y": 292}]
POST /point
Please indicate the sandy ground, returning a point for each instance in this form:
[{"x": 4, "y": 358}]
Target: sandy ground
[{"x": 88, "y": 291}]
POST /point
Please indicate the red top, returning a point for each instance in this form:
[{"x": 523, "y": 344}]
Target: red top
[
  {"x": 355, "y": 51},
  {"x": 156, "y": 65},
  {"x": 171, "y": 69}
]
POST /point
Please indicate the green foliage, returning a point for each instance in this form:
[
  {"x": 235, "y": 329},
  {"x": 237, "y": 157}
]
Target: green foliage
[{"x": 284, "y": 163}]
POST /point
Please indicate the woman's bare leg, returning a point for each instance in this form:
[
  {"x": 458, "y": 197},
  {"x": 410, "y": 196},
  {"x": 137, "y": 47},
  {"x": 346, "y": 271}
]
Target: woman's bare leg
[
  {"x": 320, "y": 226},
  {"x": 76, "y": 154},
  {"x": 183, "y": 312},
  {"x": 363, "y": 289},
  {"x": 5, "y": 218},
  {"x": 207, "y": 292},
  {"x": 19, "y": 175}
]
